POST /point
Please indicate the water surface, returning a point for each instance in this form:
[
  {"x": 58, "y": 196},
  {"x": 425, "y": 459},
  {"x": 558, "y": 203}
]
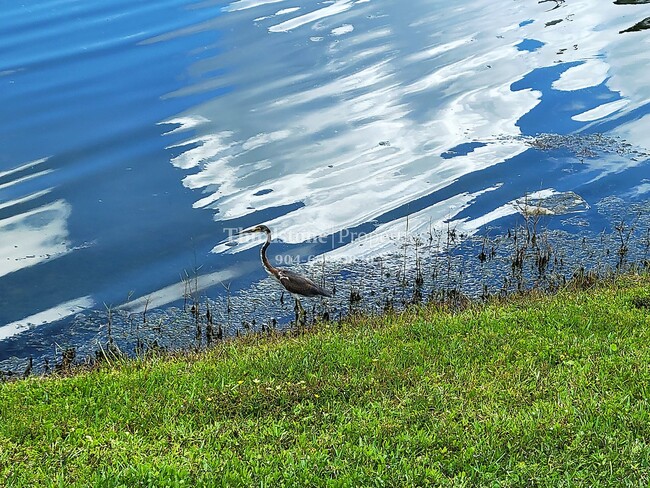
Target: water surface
[{"x": 138, "y": 137}]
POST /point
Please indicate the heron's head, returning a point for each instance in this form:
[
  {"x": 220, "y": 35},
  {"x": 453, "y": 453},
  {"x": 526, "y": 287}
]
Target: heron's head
[{"x": 257, "y": 228}]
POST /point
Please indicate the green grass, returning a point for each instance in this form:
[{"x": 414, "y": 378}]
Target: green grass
[{"x": 546, "y": 391}]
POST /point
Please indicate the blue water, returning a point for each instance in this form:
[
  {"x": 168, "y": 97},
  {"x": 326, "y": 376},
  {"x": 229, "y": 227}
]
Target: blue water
[{"x": 138, "y": 137}]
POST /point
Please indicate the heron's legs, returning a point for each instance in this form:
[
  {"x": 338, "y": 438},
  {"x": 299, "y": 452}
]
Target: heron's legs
[{"x": 301, "y": 314}]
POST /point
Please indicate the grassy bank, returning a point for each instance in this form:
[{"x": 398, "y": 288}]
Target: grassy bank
[{"x": 544, "y": 391}]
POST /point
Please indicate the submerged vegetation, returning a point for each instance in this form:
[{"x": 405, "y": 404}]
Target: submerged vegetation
[{"x": 532, "y": 390}]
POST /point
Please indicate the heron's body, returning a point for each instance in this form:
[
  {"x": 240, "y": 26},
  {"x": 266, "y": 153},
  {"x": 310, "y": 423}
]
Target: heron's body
[
  {"x": 291, "y": 281},
  {"x": 299, "y": 285}
]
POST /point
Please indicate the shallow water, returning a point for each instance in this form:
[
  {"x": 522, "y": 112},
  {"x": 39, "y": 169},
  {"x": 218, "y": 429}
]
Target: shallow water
[{"x": 138, "y": 137}]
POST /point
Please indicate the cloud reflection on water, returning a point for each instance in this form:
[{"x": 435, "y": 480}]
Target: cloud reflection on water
[
  {"x": 321, "y": 138},
  {"x": 317, "y": 140},
  {"x": 33, "y": 232},
  {"x": 53, "y": 314}
]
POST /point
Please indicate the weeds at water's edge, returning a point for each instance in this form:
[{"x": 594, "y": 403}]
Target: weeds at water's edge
[
  {"x": 449, "y": 302},
  {"x": 525, "y": 261}
]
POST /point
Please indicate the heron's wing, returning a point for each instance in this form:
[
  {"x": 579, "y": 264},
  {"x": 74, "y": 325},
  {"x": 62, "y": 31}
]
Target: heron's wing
[{"x": 299, "y": 285}]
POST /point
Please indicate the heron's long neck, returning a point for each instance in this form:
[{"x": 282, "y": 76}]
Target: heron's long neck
[{"x": 265, "y": 260}]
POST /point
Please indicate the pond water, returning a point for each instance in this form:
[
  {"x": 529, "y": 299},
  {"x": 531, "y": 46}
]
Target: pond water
[{"x": 138, "y": 137}]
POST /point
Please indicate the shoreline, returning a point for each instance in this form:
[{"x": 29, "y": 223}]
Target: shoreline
[{"x": 537, "y": 388}]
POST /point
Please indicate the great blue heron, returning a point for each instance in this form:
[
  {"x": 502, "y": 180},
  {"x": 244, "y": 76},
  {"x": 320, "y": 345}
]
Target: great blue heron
[{"x": 294, "y": 283}]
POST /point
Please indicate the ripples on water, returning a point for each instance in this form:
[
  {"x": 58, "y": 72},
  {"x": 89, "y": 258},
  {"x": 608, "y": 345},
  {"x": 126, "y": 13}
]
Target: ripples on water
[{"x": 136, "y": 136}]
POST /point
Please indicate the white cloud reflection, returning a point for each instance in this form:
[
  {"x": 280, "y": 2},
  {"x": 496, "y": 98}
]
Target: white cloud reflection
[
  {"x": 171, "y": 293},
  {"x": 34, "y": 232},
  {"x": 247, "y": 4},
  {"x": 53, "y": 314},
  {"x": 601, "y": 111},
  {"x": 337, "y": 7},
  {"x": 344, "y": 29},
  {"x": 591, "y": 73},
  {"x": 34, "y": 236}
]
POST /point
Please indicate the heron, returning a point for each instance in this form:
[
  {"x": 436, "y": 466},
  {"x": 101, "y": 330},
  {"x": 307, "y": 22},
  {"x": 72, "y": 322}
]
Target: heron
[{"x": 294, "y": 283}]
